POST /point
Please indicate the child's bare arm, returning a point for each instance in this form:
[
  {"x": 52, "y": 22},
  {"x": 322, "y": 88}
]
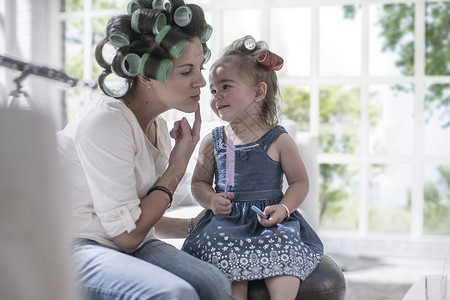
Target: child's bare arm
[
  {"x": 295, "y": 171},
  {"x": 297, "y": 179},
  {"x": 202, "y": 181}
]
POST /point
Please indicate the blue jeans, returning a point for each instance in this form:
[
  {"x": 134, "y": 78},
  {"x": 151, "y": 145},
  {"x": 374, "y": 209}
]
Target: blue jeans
[{"x": 156, "y": 271}]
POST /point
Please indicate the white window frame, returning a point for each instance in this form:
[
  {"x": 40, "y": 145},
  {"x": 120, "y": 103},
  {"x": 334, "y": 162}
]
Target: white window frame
[{"x": 337, "y": 242}]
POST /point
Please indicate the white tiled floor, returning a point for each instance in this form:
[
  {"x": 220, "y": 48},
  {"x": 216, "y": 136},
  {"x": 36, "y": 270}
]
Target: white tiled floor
[
  {"x": 388, "y": 269},
  {"x": 386, "y": 278}
]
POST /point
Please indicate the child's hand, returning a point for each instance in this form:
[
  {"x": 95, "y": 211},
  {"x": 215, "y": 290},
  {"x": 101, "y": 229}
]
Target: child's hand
[
  {"x": 276, "y": 213},
  {"x": 221, "y": 206}
]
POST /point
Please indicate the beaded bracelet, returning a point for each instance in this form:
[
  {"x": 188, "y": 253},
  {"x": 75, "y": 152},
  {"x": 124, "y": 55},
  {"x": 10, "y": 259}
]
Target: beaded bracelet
[
  {"x": 287, "y": 209},
  {"x": 190, "y": 226},
  {"x": 162, "y": 189}
]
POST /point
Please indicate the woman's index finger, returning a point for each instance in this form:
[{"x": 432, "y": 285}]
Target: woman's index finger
[{"x": 197, "y": 123}]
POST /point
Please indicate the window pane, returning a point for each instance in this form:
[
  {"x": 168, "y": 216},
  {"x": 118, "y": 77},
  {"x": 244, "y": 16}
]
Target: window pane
[
  {"x": 436, "y": 211},
  {"x": 99, "y": 25},
  {"x": 390, "y": 198},
  {"x": 73, "y": 54},
  {"x": 339, "y": 196},
  {"x": 72, "y": 5},
  {"x": 234, "y": 25},
  {"x": 291, "y": 39},
  {"x": 340, "y": 41},
  {"x": 392, "y": 39},
  {"x": 437, "y": 38},
  {"x": 391, "y": 118},
  {"x": 340, "y": 123},
  {"x": 110, "y": 4},
  {"x": 437, "y": 120},
  {"x": 295, "y": 105},
  {"x": 98, "y": 33}
]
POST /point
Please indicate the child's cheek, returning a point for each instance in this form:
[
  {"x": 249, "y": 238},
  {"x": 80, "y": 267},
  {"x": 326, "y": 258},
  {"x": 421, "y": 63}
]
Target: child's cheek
[{"x": 212, "y": 103}]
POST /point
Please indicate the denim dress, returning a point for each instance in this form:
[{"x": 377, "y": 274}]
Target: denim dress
[{"x": 237, "y": 244}]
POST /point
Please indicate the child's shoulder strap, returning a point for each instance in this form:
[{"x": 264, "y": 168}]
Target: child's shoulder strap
[
  {"x": 271, "y": 136},
  {"x": 217, "y": 136}
]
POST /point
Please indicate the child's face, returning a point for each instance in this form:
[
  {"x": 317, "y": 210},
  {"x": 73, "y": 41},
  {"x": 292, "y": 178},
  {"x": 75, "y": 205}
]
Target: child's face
[{"x": 231, "y": 97}]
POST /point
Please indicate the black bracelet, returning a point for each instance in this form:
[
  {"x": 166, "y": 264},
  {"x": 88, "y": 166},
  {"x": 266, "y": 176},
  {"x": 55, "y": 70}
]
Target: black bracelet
[{"x": 162, "y": 189}]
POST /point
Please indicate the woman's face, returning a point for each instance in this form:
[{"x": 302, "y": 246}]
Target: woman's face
[{"x": 182, "y": 90}]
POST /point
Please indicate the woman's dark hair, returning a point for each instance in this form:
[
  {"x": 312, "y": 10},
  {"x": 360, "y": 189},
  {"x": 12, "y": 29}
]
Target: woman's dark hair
[{"x": 148, "y": 38}]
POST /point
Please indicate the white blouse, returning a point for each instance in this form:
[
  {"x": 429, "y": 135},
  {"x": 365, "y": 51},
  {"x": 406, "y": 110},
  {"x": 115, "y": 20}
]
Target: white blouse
[{"x": 110, "y": 165}]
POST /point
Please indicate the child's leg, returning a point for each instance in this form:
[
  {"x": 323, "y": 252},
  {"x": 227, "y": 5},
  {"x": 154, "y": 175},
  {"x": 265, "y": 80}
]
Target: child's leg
[
  {"x": 283, "y": 287},
  {"x": 239, "y": 290}
]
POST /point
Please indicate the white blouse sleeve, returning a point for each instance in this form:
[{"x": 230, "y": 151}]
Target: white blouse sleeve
[{"x": 105, "y": 142}]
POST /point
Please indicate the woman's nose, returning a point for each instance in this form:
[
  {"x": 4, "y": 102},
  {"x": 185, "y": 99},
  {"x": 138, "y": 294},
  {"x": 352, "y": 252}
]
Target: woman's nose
[{"x": 199, "y": 80}]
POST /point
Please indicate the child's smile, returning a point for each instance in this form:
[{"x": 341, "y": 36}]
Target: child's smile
[{"x": 219, "y": 107}]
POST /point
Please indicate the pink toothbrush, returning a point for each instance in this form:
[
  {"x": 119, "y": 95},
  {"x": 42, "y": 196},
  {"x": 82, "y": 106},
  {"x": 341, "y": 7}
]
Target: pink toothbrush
[{"x": 229, "y": 165}]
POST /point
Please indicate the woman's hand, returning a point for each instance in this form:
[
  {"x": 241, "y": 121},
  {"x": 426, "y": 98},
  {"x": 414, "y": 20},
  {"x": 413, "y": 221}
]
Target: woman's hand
[
  {"x": 186, "y": 139},
  {"x": 277, "y": 214}
]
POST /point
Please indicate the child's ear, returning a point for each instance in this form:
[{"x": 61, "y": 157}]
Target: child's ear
[{"x": 260, "y": 91}]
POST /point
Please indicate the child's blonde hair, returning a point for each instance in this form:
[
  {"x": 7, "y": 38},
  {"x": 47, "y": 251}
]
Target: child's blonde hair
[{"x": 239, "y": 56}]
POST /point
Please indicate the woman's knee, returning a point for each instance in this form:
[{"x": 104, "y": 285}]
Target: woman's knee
[
  {"x": 169, "y": 287},
  {"x": 215, "y": 284},
  {"x": 173, "y": 290},
  {"x": 181, "y": 290}
]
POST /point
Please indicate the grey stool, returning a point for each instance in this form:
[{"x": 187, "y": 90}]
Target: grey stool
[{"x": 327, "y": 282}]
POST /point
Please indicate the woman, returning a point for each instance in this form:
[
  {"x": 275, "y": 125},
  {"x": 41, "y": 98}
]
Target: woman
[{"x": 120, "y": 166}]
